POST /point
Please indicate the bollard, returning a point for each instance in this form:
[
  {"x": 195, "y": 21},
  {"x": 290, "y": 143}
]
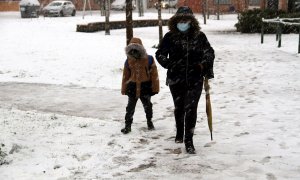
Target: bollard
[
  {"x": 277, "y": 28},
  {"x": 262, "y": 32},
  {"x": 280, "y": 25},
  {"x": 299, "y": 42},
  {"x": 277, "y": 31},
  {"x": 279, "y": 35}
]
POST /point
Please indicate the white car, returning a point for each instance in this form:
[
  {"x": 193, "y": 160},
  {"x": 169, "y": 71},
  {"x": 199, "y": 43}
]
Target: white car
[
  {"x": 59, "y": 8},
  {"x": 165, "y": 4},
  {"x": 120, "y": 5}
]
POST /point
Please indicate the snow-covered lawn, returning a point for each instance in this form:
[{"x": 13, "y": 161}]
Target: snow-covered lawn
[{"x": 255, "y": 97}]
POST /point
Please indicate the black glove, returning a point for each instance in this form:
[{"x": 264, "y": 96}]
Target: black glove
[{"x": 199, "y": 67}]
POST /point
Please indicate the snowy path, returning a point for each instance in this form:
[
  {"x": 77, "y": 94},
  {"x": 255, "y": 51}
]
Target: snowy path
[
  {"x": 68, "y": 100},
  {"x": 255, "y": 107}
]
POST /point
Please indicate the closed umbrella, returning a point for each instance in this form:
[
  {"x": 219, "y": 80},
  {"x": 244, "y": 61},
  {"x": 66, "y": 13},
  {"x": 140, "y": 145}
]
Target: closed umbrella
[{"x": 208, "y": 107}]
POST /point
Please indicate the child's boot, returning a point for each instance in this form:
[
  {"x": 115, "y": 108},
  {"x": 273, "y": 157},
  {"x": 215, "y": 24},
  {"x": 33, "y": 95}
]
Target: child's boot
[
  {"x": 126, "y": 130},
  {"x": 150, "y": 124}
]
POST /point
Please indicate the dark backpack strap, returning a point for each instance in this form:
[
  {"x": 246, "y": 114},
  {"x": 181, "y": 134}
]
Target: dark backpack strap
[
  {"x": 126, "y": 64},
  {"x": 150, "y": 61}
]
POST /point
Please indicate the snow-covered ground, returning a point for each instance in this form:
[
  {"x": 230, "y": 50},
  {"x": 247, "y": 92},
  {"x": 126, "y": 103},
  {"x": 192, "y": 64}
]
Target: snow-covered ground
[{"x": 255, "y": 97}]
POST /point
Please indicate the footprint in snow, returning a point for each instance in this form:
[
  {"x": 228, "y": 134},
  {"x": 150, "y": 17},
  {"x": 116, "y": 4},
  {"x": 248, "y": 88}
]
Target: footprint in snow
[
  {"x": 265, "y": 159},
  {"x": 283, "y": 145},
  {"x": 144, "y": 141},
  {"x": 123, "y": 159},
  {"x": 209, "y": 144},
  {"x": 237, "y": 123},
  {"x": 142, "y": 167},
  {"x": 155, "y": 137},
  {"x": 174, "y": 151},
  {"x": 241, "y": 134},
  {"x": 271, "y": 176},
  {"x": 144, "y": 129}
]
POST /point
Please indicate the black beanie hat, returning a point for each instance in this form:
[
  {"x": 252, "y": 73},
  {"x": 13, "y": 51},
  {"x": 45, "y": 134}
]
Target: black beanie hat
[{"x": 184, "y": 10}]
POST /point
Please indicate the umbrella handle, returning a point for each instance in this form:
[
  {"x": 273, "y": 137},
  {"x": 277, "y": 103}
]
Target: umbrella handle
[{"x": 206, "y": 86}]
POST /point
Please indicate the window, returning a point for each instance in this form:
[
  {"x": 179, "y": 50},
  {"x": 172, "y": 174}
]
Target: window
[
  {"x": 254, "y": 2},
  {"x": 223, "y": 2}
]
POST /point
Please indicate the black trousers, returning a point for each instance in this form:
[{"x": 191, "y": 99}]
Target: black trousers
[
  {"x": 186, "y": 100},
  {"x": 130, "y": 109}
]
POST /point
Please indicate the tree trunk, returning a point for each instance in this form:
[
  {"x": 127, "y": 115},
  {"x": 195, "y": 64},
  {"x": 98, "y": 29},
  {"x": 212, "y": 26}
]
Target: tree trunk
[
  {"x": 107, "y": 9},
  {"x": 291, "y": 5},
  {"x": 159, "y": 21},
  {"x": 218, "y": 9},
  {"x": 129, "y": 26},
  {"x": 204, "y": 11}
]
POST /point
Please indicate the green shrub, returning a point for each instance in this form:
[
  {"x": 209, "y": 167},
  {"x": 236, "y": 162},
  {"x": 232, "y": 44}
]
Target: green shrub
[{"x": 251, "y": 21}]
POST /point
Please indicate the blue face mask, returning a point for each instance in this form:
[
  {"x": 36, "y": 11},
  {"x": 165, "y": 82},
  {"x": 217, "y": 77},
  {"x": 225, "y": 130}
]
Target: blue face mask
[{"x": 183, "y": 26}]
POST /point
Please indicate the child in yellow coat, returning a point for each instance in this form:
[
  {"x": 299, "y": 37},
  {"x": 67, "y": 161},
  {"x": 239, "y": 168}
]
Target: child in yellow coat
[{"x": 140, "y": 81}]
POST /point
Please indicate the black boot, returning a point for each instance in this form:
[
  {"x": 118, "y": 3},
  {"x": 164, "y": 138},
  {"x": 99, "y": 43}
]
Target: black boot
[
  {"x": 126, "y": 130},
  {"x": 189, "y": 146},
  {"x": 179, "y": 133},
  {"x": 179, "y": 137},
  {"x": 150, "y": 125}
]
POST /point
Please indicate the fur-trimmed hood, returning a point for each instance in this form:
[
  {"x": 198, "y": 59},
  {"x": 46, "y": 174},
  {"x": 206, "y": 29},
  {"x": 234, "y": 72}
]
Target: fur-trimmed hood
[
  {"x": 184, "y": 12},
  {"x": 135, "y": 49}
]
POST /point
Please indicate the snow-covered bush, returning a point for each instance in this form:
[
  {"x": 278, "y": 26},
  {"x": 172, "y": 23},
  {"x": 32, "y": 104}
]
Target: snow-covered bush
[
  {"x": 29, "y": 3},
  {"x": 29, "y": 8},
  {"x": 251, "y": 21}
]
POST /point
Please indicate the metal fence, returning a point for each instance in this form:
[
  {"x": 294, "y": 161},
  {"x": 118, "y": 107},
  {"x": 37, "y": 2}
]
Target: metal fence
[{"x": 280, "y": 22}]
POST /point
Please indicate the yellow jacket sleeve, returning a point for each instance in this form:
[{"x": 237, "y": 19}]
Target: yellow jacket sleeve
[
  {"x": 154, "y": 77},
  {"x": 125, "y": 78}
]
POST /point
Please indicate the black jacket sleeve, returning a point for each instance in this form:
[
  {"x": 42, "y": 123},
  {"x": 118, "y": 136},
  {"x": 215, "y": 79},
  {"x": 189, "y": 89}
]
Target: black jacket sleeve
[
  {"x": 208, "y": 57},
  {"x": 208, "y": 53},
  {"x": 163, "y": 52}
]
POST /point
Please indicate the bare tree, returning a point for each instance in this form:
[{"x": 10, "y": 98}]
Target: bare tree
[
  {"x": 204, "y": 11},
  {"x": 218, "y": 9},
  {"x": 159, "y": 21},
  {"x": 141, "y": 8},
  {"x": 291, "y": 5},
  {"x": 129, "y": 26},
  {"x": 207, "y": 8},
  {"x": 107, "y": 9},
  {"x": 102, "y": 7}
]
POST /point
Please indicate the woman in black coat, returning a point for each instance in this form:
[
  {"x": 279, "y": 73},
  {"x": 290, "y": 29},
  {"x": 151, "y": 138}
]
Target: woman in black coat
[{"x": 188, "y": 56}]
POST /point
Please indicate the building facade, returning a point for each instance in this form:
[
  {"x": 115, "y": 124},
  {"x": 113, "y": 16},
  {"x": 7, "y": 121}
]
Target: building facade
[
  {"x": 197, "y": 6},
  {"x": 226, "y": 6},
  {"x": 10, "y": 5}
]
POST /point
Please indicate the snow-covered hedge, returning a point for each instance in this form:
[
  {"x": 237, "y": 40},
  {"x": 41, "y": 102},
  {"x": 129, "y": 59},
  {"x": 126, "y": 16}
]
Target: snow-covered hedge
[
  {"x": 251, "y": 21},
  {"x": 29, "y": 3}
]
